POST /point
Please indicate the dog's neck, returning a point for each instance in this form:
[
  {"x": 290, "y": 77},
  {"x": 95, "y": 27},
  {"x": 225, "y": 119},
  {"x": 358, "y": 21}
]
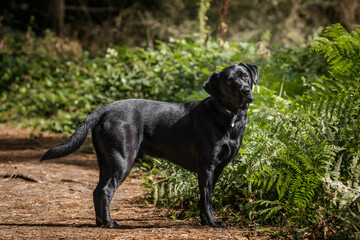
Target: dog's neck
[
  {"x": 220, "y": 107},
  {"x": 227, "y": 110},
  {"x": 235, "y": 116}
]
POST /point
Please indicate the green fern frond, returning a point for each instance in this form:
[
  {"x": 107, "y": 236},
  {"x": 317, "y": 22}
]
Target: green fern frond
[{"x": 341, "y": 50}]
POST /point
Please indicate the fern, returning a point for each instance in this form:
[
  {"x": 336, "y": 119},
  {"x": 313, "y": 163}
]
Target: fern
[
  {"x": 301, "y": 160},
  {"x": 315, "y": 142},
  {"x": 342, "y": 50}
]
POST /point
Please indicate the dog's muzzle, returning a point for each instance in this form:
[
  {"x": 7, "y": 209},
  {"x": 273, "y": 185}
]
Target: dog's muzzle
[{"x": 247, "y": 94}]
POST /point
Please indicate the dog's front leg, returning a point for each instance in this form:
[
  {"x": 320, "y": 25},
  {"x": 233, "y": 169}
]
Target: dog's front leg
[{"x": 205, "y": 177}]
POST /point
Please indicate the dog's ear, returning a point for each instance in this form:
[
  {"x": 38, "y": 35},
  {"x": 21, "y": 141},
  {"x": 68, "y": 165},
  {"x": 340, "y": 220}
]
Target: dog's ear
[
  {"x": 254, "y": 72},
  {"x": 211, "y": 86}
]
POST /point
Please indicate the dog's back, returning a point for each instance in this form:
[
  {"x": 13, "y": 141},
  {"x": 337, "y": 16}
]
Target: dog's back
[{"x": 165, "y": 130}]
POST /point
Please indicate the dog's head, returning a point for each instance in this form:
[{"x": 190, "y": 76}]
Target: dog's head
[{"x": 232, "y": 86}]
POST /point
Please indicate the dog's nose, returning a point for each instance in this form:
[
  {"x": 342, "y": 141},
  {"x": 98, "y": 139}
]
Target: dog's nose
[
  {"x": 246, "y": 91},
  {"x": 248, "y": 94}
]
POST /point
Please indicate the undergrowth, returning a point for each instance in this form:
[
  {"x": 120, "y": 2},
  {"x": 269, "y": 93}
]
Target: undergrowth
[
  {"x": 299, "y": 163},
  {"x": 51, "y": 83}
]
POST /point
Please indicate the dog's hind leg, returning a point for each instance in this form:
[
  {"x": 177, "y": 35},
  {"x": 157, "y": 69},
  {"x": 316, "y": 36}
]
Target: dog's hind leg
[
  {"x": 103, "y": 194},
  {"x": 116, "y": 153}
]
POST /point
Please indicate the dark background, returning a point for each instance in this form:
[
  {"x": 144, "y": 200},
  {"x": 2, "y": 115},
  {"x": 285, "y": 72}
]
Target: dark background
[{"x": 141, "y": 22}]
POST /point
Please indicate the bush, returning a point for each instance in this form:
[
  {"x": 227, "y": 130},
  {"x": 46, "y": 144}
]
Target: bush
[
  {"x": 52, "y": 83},
  {"x": 299, "y": 164},
  {"x": 300, "y": 160}
]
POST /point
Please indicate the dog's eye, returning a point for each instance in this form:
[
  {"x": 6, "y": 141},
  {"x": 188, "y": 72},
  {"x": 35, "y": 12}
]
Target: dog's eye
[
  {"x": 228, "y": 81},
  {"x": 245, "y": 77}
]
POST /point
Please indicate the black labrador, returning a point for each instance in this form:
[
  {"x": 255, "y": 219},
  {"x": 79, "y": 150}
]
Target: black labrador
[{"x": 200, "y": 136}]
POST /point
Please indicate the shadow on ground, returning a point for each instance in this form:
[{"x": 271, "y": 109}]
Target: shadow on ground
[{"x": 24, "y": 149}]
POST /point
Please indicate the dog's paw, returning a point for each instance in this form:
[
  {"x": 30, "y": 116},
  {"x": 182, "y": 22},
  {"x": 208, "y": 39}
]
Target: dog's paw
[
  {"x": 218, "y": 224},
  {"x": 111, "y": 224},
  {"x": 213, "y": 223},
  {"x": 114, "y": 225}
]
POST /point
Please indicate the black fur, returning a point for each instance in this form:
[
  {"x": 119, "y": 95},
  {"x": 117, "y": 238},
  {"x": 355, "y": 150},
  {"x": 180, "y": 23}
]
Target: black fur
[{"x": 200, "y": 136}]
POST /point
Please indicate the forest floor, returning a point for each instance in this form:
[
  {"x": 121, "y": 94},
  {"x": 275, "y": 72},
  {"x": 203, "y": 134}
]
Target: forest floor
[{"x": 53, "y": 199}]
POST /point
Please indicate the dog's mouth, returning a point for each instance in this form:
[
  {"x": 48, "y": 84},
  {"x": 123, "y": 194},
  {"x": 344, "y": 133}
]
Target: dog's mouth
[
  {"x": 249, "y": 99},
  {"x": 243, "y": 105},
  {"x": 245, "y": 102}
]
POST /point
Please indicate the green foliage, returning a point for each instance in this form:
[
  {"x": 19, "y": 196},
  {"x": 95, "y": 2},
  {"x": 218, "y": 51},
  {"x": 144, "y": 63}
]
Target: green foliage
[
  {"x": 175, "y": 189},
  {"x": 300, "y": 165},
  {"x": 312, "y": 159},
  {"x": 204, "y": 6},
  {"x": 342, "y": 51},
  {"x": 40, "y": 84},
  {"x": 52, "y": 83},
  {"x": 288, "y": 68}
]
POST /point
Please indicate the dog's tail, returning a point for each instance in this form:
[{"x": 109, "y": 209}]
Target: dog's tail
[{"x": 76, "y": 140}]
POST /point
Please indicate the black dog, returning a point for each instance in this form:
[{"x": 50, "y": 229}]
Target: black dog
[{"x": 200, "y": 136}]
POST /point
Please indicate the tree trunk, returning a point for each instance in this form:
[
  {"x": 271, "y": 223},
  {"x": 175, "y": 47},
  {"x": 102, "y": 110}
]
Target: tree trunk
[{"x": 56, "y": 15}]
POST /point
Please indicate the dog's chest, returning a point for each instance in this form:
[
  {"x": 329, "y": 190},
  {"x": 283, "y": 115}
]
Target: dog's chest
[{"x": 229, "y": 145}]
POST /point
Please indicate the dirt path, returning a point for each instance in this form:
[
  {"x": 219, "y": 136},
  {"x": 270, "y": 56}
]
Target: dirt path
[{"x": 53, "y": 200}]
